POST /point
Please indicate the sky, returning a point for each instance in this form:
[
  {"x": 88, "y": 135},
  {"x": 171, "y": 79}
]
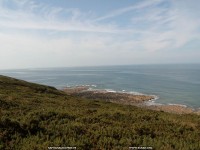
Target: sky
[{"x": 67, "y": 33}]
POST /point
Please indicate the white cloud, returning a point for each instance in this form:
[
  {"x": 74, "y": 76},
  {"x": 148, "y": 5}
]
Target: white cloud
[
  {"x": 171, "y": 27},
  {"x": 38, "y": 35},
  {"x": 118, "y": 12},
  {"x": 49, "y": 18}
]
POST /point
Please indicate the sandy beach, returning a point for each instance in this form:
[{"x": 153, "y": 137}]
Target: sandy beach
[{"x": 127, "y": 99}]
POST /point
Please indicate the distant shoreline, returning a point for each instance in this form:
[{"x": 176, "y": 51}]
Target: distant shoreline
[
  {"x": 177, "y": 84},
  {"x": 125, "y": 98}
]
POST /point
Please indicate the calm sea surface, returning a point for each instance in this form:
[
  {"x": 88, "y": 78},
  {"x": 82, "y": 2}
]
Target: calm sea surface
[{"x": 173, "y": 84}]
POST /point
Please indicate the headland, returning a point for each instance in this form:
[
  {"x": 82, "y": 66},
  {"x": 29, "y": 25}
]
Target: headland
[{"x": 125, "y": 98}]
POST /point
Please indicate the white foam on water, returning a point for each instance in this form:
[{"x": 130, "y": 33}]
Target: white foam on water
[
  {"x": 177, "y": 105},
  {"x": 84, "y": 85},
  {"x": 110, "y": 90},
  {"x": 150, "y": 103},
  {"x": 153, "y": 101}
]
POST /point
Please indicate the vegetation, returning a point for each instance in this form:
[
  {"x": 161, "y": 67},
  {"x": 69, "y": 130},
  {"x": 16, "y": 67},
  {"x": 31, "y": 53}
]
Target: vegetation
[{"x": 36, "y": 117}]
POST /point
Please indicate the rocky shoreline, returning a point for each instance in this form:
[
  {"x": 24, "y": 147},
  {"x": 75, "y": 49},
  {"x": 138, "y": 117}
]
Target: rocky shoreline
[{"x": 127, "y": 99}]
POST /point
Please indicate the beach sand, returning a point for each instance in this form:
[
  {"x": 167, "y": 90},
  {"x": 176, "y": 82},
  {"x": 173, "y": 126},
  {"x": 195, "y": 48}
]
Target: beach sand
[{"x": 128, "y": 99}]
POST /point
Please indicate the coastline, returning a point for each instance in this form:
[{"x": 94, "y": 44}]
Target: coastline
[{"x": 129, "y": 98}]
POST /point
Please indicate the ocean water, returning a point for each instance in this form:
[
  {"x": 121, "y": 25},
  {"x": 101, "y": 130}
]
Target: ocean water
[{"x": 173, "y": 84}]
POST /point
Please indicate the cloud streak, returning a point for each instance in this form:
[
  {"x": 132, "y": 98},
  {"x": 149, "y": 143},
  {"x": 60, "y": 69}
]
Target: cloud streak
[
  {"x": 121, "y": 11},
  {"x": 68, "y": 36}
]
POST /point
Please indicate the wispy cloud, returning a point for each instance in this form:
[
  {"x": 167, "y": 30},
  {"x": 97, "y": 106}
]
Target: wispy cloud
[
  {"x": 38, "y": 16},
  {"x": 168, "y": 27},
  {"x": 137, "y": 6},
  {"x": 72, "y": 36}
]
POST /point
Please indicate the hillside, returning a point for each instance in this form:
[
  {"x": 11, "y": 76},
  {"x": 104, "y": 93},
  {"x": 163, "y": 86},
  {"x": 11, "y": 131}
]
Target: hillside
[{"x": 36, "y": 117}]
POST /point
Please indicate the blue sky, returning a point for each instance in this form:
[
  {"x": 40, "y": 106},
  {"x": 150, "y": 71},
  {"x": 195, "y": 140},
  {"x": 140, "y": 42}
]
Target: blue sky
[{"x": 62, "y": 33}]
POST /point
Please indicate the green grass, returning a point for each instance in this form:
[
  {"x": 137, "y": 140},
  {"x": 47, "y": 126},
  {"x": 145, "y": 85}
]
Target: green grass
[{"x": 35, "y": 117}]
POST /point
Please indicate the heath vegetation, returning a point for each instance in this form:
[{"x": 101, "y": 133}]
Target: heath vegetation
[{"x": 36, "y": 117}]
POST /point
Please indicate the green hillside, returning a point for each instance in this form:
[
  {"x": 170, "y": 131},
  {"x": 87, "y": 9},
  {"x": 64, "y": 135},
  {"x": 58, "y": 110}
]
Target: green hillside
[{"x": 35, "y": 117}]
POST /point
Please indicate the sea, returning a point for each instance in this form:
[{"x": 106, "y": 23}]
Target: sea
[{"x": 172, "y": 84}]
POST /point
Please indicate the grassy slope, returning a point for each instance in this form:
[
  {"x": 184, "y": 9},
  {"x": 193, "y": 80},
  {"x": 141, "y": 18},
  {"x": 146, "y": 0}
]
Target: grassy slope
[{"x": 36, "y": 116}]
